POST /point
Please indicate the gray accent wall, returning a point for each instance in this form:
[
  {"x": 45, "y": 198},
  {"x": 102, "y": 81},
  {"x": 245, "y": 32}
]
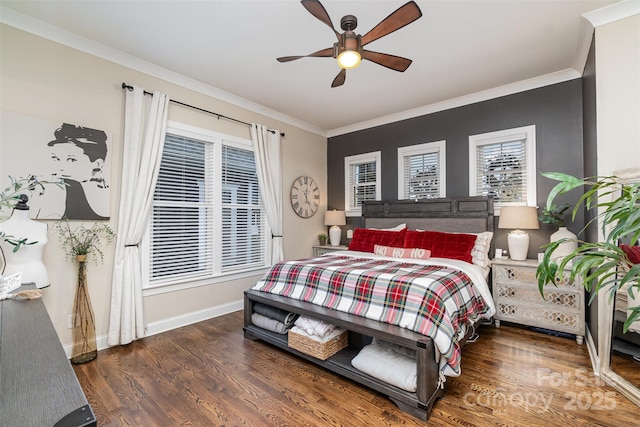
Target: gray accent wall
[{"x": 556, "y": 110}]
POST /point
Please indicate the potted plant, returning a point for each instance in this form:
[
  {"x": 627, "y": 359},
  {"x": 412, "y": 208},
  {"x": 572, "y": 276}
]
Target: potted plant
[
  {"x": 322, "y": 239},
  {"x": 552, "y": 214},
  {"x": 603, "y": 264},
  {"x": 80, "y": 243}
]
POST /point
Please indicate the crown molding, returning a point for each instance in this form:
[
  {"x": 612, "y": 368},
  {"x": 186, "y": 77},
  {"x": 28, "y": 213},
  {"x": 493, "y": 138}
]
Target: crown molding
[
  {"x": 592, "y": 19},
  {"x": 524, "y": 85},
  {"x": 613, "y": 12},
  {"x": 584, "y": 44},
  {"x": 47, "y": 31}
]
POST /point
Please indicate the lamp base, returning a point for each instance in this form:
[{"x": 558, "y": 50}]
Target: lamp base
[
  {"x": 335, "y": 233},
  {"x": 518, "y": 242}
]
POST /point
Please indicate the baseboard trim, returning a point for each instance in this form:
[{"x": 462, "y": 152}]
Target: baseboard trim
[
  {"x": 593, "y": 352},
  {"x": 175, "y": 322}
]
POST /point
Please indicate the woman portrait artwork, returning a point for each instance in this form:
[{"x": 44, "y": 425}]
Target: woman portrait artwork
[{"x": 77, "y": 156}]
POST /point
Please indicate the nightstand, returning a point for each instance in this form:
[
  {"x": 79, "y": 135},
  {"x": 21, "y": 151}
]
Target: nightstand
[
  {"x": 518, "y": 300},
  {"x": 321, "y": 250}
]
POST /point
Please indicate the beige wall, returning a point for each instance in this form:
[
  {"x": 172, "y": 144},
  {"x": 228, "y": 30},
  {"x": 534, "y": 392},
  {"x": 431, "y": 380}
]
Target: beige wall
[
  {"x": 618, "y": 94},
  {"x": 51, "y": 81}
]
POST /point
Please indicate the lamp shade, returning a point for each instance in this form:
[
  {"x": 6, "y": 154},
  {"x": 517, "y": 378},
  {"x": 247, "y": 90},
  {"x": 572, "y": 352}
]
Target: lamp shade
[
  {"x": 516, "y": 217},
  {"x": 335, "y": 217}
]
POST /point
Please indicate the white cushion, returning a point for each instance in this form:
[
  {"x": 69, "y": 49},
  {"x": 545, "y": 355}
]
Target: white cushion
[{"x": 398, "y": 227}]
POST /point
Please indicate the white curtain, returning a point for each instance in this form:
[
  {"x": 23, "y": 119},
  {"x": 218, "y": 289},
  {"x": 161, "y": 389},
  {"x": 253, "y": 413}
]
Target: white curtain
[
  {"x": 144, "y": 132},
  {"x": 266, "y": 148}
]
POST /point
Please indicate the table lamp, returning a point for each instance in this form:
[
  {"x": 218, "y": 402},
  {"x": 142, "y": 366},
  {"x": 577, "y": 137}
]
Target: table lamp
[
  {"x": 516, "y": 218},
  {"x": 335, "y": 218}
]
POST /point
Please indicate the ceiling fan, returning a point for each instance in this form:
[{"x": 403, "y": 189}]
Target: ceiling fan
[{"x": 348, "y": 50}]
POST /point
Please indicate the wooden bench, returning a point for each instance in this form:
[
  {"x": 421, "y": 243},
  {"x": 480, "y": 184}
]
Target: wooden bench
[{"x": 361, "y": 331}]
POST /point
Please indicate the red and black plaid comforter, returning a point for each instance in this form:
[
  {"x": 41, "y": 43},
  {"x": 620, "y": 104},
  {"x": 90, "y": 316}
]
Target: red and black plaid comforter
[{"x": 429, "y": 299}]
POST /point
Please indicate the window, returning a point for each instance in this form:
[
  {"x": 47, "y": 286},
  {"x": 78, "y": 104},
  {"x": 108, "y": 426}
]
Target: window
[
  {"x": 362, "y": 181},
  {"x": 207, "y": 218},
  {"x": 503, "y": 165},
  {"x": 421, "y": 171}
]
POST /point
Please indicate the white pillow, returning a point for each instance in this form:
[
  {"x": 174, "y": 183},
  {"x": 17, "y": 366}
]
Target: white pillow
[
  {"x": 398, "y": 227},
  {"x": 480, "y": 251}
]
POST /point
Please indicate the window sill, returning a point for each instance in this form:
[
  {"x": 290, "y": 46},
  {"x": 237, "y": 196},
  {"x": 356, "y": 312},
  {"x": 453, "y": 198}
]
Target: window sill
[
  {"x": 354, "y": 212},
  {"x": 188, "y": 284}
]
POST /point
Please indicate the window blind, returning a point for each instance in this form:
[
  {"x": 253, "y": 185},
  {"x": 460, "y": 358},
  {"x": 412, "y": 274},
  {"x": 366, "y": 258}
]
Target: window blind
[
  {"x": 422, "y": 176},
  {"x": 362, "y": 177},
  {"x": 243, "y": 219},
  {"x": 502, "y": 171},
  {"x": 182, "y": 214},
  {"x": 207, "y": 215}
]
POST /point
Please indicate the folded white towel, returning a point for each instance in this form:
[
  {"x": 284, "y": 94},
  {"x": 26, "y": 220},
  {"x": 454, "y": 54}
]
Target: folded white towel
[
  {"x": 324, "y": 339},
  {"x": 386, "y": 364},
  {"x": 314, "y": 327}
]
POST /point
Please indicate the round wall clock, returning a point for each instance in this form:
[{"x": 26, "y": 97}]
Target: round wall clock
[{"x": 305, "y": 196}]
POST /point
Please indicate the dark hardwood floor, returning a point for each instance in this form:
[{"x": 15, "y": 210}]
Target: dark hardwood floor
[{"x": 207, "y": 374}]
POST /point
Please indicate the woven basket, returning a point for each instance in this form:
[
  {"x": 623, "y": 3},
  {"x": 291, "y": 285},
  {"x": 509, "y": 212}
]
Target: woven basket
[{"x": 317, "y": 349}]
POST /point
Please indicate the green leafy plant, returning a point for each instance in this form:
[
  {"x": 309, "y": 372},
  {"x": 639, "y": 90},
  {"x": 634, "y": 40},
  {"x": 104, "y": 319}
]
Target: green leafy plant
[
  {"x": 84, "y": 241},
  {"x": 554, "y": 214},
  {"x": 322, "y": 238},
  {"x": 11, "y": 195},
  {"x": 599, "y": 264}
]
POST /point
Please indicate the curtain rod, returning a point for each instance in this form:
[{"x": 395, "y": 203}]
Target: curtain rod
[{"x": 219, "y": 116}]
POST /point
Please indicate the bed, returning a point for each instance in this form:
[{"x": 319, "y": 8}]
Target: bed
[{"x": 409, "y": 289}]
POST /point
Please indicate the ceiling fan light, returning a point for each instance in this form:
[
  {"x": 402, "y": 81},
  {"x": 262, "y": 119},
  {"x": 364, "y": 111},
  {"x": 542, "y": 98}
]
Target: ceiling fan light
[{"x": 349, "y": 59}]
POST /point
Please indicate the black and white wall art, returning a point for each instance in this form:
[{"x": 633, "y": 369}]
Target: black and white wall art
[{"x": 78, "y": 156}]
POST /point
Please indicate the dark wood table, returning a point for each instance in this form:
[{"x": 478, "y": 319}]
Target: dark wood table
[{"x": 38, "y": 386}]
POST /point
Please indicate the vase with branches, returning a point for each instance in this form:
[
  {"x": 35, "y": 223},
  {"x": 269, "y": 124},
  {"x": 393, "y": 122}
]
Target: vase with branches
[
  {"x": 83, "y": 241},
  {"x": 79, "y": 243}
]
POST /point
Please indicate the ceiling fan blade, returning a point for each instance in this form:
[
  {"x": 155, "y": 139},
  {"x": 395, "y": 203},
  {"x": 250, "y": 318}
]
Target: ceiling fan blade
[
  {"x": 317, "y": 9},
  {"x": 394, "y": 62},
  {"x": 340, "y": 78},
  {"x": 324, "y": 53},
  {"x": 404, "y": 15}
]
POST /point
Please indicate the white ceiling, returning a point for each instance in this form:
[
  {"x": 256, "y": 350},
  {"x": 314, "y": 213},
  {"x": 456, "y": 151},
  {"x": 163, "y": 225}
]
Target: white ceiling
[{"x": 461, "y": 49}]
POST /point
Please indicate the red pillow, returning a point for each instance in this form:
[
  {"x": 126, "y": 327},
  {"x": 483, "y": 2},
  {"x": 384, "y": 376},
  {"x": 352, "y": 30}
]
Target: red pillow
[
  {"x": 364, "y": 239},
  {"x": 633, "y": 253},
  {"x": 442, "y": 245}
]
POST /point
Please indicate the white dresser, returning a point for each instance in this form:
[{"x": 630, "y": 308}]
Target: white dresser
[{"x": 518, "y": 300}]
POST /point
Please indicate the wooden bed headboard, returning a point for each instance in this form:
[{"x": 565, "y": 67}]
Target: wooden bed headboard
[{"x": 455, "y": 214}]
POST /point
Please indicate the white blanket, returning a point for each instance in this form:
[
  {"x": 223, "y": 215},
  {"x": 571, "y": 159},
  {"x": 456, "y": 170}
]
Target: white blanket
[{"x": 386, "y": 364}]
